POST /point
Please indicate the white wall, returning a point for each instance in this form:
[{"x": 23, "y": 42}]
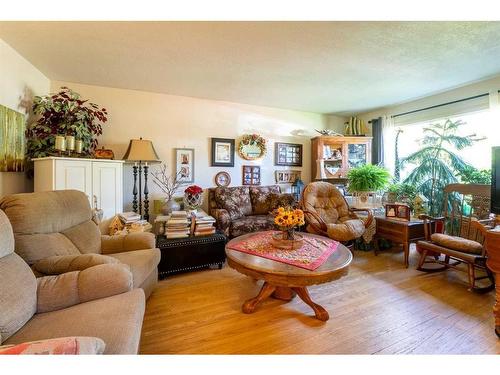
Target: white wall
[
  {"x": 20, "y": 81},
  {"x": 184, "y": 122}
]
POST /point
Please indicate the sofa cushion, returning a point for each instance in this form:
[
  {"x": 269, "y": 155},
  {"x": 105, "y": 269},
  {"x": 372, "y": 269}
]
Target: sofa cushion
[
  {"x": 254, "y": 223},
  {"x": 457, "y": 243},
  {"x": 262, "y": 199},
  {"x": 62, "y": 345},
  {"x": 346, "y": 231},
  {"x": 116, "y": 320},
  {"x": 235, "y": 200},
  {"x": 141, "y": 262}
]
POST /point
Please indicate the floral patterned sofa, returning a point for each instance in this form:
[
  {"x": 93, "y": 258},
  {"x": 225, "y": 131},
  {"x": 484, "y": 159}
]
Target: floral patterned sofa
[{"x": 245, "y": 209}]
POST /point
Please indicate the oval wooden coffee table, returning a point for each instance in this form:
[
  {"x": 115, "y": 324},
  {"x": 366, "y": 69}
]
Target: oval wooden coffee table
[{"x": 283, "y": 281}]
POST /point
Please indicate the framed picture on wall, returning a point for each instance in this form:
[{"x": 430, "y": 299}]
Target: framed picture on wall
[
  {"x": 184, "y": 164},
  {"x": 222, "y": 152},
  {"x": 287, "y": 177},
  {"x": 251, "y": 175},
  {"x": 288, "y": 154}
]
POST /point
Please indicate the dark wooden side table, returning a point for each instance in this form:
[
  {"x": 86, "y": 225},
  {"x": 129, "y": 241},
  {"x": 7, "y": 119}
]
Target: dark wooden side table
[
  {"x": 190, "y": 253},
  {"x": 399, "y": 231}
]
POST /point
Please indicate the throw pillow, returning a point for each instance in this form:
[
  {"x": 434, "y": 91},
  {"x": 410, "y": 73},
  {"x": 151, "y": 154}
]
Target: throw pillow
[
  {"x": 235, "y": 200},
  {"x": 262, "y": 199}
]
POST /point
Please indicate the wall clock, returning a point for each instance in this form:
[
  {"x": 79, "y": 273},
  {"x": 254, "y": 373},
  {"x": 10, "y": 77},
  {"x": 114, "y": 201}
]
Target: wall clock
[{"x": 222, "y": 179}]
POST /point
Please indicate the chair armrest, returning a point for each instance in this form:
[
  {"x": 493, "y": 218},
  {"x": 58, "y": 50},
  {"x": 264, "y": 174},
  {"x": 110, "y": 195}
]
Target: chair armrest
[
  {"x": 71, "y": 288},
  {"x": 127, "y": 242},
  {"x": 318, "y": 223},
  {"x": 369, "y": 215},
  {"x": 58, "y": 264},
  {"x": 428, "y": 220},
  {"x": 223, "y": 220}
]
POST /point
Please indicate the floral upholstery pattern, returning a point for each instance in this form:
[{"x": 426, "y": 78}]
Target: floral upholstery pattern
[
  {"x": 242, "y": 209},
  {"x": 254, "y": 223},
  {"x": 235, "y": 200},
  {"x": 261, "y": 198}
]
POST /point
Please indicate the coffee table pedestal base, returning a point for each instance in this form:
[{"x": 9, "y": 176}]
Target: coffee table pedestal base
[{"x": 285, "y": 294}]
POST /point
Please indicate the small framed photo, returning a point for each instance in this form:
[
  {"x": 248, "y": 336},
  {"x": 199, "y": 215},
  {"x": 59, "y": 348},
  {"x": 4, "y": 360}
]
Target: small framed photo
[
  {"x": 397, "y": 211},
  {"x": 251, "y": 175},
  {"x": 184, "y": 164},
  {"x": 222, "y": 152},
  {"x": 287, "y": 177},
  {"x": 288, "y": 154}
]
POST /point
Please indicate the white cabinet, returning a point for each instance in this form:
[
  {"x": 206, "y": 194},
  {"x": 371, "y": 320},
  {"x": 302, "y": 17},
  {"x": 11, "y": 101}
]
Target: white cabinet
[{"x": 101, "y": 180}]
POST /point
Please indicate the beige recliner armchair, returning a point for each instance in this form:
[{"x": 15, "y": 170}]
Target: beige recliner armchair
[
  {"x": 327, "y": 213},
  {"x": 96, "y": 305},
  {"x": 54, "y": 233}
]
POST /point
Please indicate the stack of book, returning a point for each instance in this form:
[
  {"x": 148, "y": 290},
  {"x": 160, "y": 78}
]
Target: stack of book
[
  {"x": 129, "y": 217},
  {"x": 204, "y": 225},
  {"x": 132, "y": 222},
  {"x": 178, "y": 225}
]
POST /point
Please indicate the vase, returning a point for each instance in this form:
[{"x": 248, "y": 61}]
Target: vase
[
  {"x": 287, "y": 239},
  {"x": 169, "y": 206},
  {"x": 193, "y": 201}
]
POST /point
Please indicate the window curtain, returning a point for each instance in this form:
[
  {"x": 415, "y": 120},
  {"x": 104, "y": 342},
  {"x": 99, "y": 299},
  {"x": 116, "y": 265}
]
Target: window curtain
[
  {"x": 378, "y": 142},
  {"x": 388, "y": 131}
]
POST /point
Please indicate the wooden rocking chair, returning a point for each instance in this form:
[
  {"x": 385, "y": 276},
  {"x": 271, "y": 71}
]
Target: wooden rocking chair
[{"x": 455, "y": 235}]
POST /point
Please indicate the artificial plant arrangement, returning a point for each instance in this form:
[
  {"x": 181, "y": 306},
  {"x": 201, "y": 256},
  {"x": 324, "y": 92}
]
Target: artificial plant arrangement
[
  {"x": 64, "y": 113},
  {"x": 368, "y": 178}
]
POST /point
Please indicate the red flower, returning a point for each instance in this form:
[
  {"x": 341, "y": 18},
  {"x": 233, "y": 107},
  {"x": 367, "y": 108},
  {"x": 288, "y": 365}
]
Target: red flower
[{"x": 193, "y": 189}]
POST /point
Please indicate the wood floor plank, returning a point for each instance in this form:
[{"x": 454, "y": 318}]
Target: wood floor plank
[{"x": 379, "y": 308}]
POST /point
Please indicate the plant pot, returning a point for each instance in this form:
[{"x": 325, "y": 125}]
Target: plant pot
[
  {"x": 170, "y": 206},
  {"x": 193, "y": 201},
  {"x": 287, "y": 241}
]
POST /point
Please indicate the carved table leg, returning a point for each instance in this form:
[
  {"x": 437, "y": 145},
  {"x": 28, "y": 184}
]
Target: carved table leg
[
  {"x": 496, "y": 308},
  {"x": 283, "y": 293},
  {"x": 250, "y": 305},
  {"x": 319, "y": 311}
]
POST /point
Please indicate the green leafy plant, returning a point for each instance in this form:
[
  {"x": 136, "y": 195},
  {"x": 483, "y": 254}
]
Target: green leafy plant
[
  {"x": 436, "y": 164},
  {"x": 368, "y": 178},
  {"x": 63, "y": 113},
  {"x": 471, "y": 175},
  {"x": 404, "y": 193}
]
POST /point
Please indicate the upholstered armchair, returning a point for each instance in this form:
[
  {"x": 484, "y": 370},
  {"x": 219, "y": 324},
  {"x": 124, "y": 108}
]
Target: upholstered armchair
[
  {"x": 327, "y": 213},
  {"x": 97, "y": 305},
  {"x": 55, "y": 233}
]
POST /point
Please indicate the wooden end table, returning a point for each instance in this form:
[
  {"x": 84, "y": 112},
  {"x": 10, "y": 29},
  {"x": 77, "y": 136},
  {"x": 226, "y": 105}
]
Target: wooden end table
[
  {"x": 282, "y": 281},
  {"x": 399, "y": 231}
]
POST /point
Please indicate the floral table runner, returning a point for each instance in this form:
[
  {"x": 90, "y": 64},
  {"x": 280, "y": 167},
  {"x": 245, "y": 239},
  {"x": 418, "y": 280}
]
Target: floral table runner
[{"x": 310, "y": 256}]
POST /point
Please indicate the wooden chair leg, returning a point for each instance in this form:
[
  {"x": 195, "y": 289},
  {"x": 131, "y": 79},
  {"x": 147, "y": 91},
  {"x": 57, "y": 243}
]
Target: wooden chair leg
[
  {"x": 421, "y": 261},
  {"x": 472, "y": 276}
]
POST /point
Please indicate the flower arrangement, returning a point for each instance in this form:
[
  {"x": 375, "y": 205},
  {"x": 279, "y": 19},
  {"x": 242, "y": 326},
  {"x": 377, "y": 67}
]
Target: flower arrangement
[
  {"x": 193, "y": 197},
  {"x": 193, "y": 190},
  {"x": 287, "y": 220}
]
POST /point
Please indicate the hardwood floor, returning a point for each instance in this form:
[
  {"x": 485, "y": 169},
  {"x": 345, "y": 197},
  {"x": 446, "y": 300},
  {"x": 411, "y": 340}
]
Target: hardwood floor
[{"x": 379, "y": 308}]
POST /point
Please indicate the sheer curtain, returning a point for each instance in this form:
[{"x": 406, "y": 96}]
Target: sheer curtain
[{"x": 389, "y": 139}]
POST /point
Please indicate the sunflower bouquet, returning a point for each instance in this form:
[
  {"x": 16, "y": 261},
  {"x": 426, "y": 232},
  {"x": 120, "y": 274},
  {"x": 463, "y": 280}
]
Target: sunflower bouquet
[{"x": 288, "y": 219}]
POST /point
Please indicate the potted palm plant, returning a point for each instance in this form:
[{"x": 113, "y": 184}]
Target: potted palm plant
[{"x": 367, "y": 179}]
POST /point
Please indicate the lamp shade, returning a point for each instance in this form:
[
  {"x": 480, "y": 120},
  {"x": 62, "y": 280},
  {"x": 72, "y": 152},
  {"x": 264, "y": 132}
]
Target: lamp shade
[{"x": 141, "y": 150}]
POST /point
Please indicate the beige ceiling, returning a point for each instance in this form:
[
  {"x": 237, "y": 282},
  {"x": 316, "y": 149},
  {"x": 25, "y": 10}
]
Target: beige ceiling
[{"x": 326, "y": 67}]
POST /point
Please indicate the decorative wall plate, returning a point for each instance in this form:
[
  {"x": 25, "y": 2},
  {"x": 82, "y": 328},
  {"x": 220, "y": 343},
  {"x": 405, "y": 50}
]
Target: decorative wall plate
[{"x": 222, "y": 179}]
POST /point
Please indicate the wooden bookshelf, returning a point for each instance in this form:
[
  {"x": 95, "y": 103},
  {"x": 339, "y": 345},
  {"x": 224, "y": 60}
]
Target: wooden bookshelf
[{"x": 339, "y": 154}]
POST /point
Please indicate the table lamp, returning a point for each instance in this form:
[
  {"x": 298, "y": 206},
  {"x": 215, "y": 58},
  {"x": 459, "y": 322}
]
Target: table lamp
[{"x": 141, "y": 152}]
